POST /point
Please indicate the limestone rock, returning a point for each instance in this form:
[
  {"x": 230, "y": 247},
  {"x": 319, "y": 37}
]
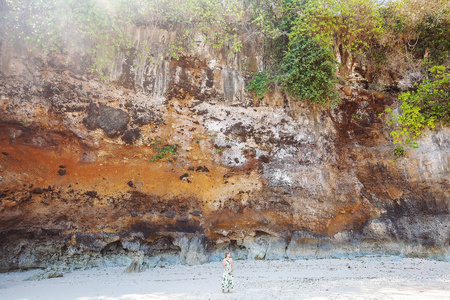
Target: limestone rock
[
  {"x": 46, "y": 275},
  {"x": 193, "y": 249},
  {"x": 135, "y": 266}
]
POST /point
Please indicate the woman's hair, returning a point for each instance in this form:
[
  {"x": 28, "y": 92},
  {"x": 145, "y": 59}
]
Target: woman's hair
[{"x": 226, "y": 254}]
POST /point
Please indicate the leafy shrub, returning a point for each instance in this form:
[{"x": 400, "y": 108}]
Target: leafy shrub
[
  {"x": 259, "y": 85},
  {"x": 428, "y": 105},
  {"x": 399, "y": 152},
  {"x": 434, "y": 37},
  {"x": 349, "y": 23},
  {"x": 218, "y": 21},
  {"x": 416, "y": 29},
  {"x": 301, "y": 35},
  {"x": 307, "y": 71}
]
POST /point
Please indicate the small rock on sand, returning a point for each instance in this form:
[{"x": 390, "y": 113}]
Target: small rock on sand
[{"x": 135, "y": 266}]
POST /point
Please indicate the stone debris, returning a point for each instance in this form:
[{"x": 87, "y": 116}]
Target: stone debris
[
  {"x": 135, "y": 266},
  {"x": 46, "y": 275}
]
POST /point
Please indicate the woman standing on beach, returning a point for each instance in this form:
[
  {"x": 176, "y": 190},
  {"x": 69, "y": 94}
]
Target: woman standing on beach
[{"x": 227, "y": 276}]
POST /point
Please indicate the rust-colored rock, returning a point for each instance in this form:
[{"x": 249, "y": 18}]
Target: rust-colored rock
[{"x": 347, "y": 90}]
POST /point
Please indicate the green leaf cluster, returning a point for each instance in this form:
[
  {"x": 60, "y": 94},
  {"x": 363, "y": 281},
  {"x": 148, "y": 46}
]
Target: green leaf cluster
[
  {"x": 399, "y": 152},
  {"x": 423, "y": 108},
  {"x": 302, "y": 64},
  {"x": 420, "y": 28},
  {"x": 218, "y": 21},
  {"x": 307, "y": 71},
  {"x": 259, "y": 85},
  {"x": 351, "y": 24},
  {"x": 164, "y": 151}
]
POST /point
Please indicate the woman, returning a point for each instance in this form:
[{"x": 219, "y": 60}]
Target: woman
[{"x": 227, "y": 276}]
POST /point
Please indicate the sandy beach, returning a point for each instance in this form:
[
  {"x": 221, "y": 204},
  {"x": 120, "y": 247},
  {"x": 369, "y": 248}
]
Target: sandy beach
[{"x": 361, "y": 278}]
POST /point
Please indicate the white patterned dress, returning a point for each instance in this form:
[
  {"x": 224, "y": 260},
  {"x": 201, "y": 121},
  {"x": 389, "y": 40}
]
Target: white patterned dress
[{"x": 227, "y": 277}]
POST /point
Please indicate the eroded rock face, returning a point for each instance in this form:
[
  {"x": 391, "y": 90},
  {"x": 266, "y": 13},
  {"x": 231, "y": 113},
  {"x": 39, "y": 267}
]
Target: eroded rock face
[{"x": 173, "y": 163}]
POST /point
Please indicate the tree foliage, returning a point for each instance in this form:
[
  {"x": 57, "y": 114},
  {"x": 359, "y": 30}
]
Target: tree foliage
[
  {"x": 353, "y": 24},
  {"x": 218, "y": 21},
  {"x": 419, "y": 28},
  {"x": 428, "y": 105},
  {"x": 301, "y": 64}
]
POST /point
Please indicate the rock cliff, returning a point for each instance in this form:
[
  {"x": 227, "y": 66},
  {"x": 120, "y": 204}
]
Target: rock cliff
[{"x": 172, "y": 161}]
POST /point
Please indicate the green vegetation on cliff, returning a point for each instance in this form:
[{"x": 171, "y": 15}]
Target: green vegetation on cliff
[
  {"x": 310, "y": 45},
  {"x": 403, "y": 37},
  {"x": 69, "y": 26},
  {"x": 307, "y": 71},
  {"x": 423, "y": 108},
  {"x": 101, "y": 28}
]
